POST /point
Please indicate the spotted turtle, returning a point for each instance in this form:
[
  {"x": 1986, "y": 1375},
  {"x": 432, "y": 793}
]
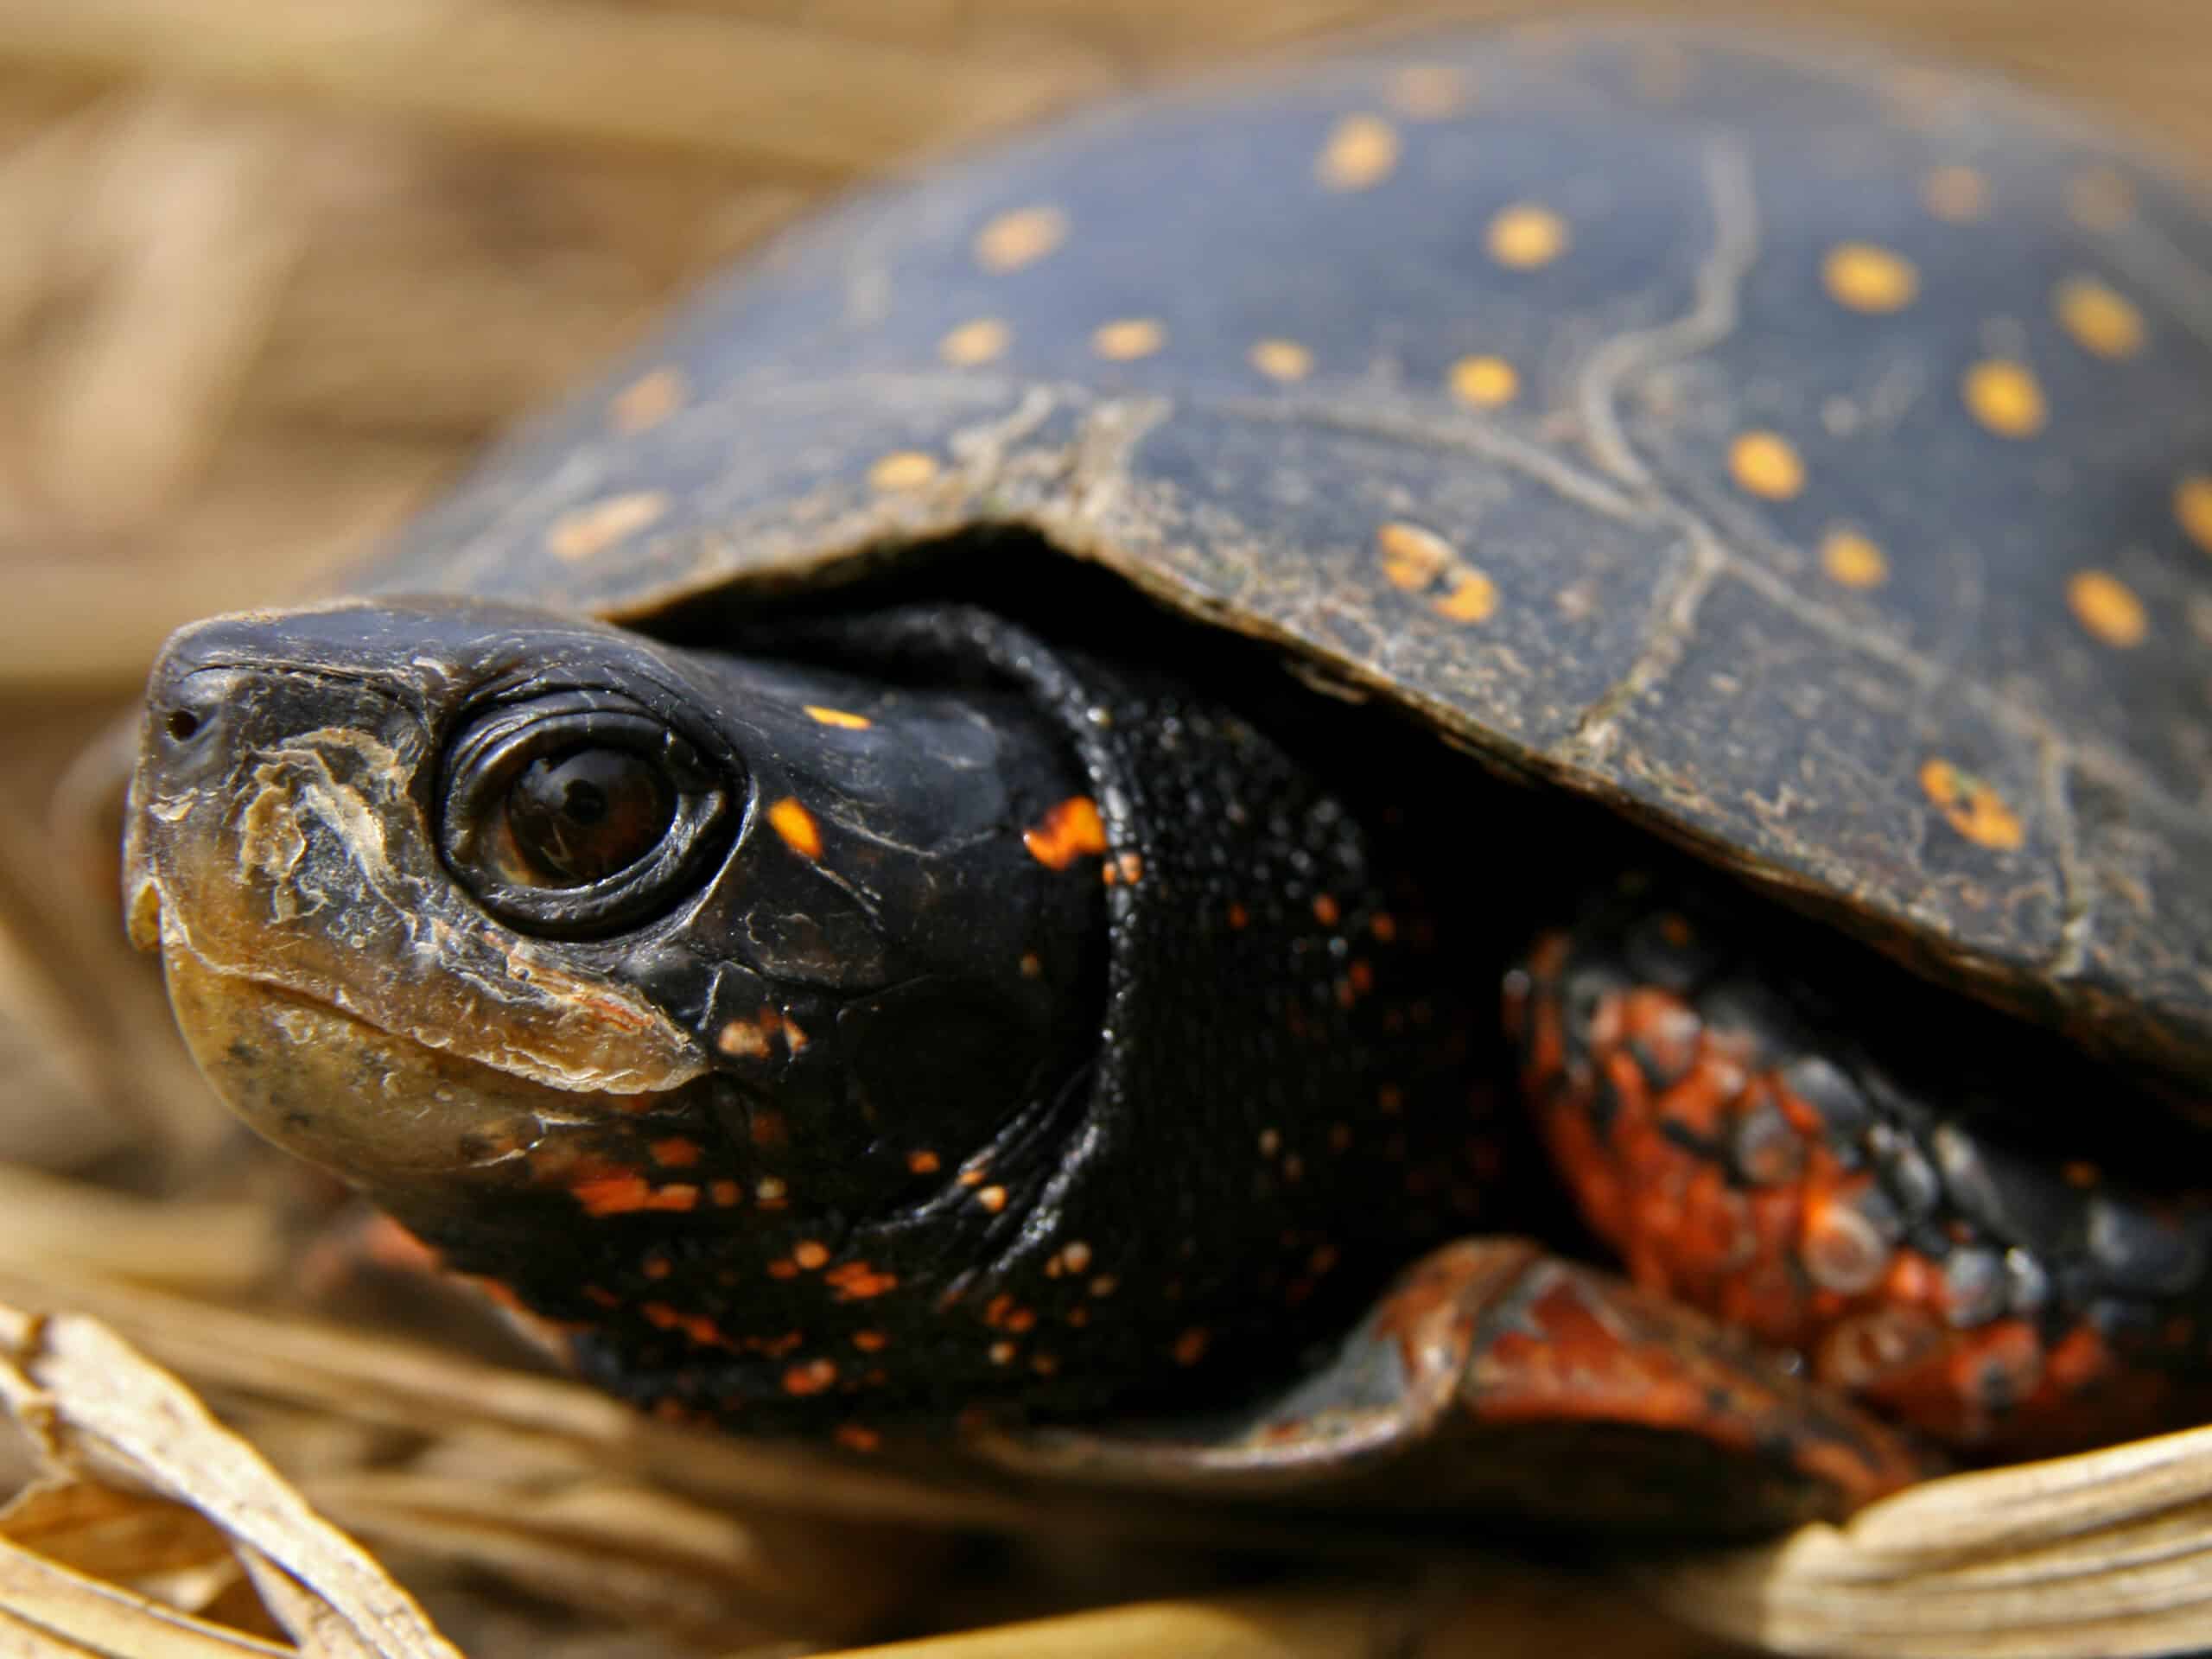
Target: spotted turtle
[{"x": 809, "y": 872}]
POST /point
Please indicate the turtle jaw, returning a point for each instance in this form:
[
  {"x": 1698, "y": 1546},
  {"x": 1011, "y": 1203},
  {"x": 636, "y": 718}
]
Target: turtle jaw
[{"x": 385, "y": 1112}]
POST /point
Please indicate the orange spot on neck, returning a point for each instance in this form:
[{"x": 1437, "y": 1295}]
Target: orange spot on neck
[{"x": 1068, "y": 832}]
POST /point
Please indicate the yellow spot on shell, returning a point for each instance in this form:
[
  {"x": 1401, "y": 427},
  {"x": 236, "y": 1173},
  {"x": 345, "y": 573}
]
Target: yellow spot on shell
[
  {"x": 984, "y": 340},
  {"x": 1021, "y": 237},
  {"x": 1281, "y": 359},
  {"x": 2101, "y": 319},
  {"x": 647, "y": 401},
  {"x": 1413, "y": 558},
  {"x": 2107, "y": 607},
  {"x": 2193, "y": 508},
  {"x": 1128, "y": 338},
  {"x": 1471, "y": 597},
  {"x": 2099, "y": 199},
  {"x": 1525, "y": 236},
  {"x": 1971, "y": 807},
  {"x": 903, "y": 469},
  {"x": 1852, "y": 559},
  {"x": 1362, "y": 150},
  {"x": 1956, "y": 193},
  {"x": 1866, "y": 277},
  {"x": 2005, "y": 397},
  {"x": 1767, "y": 465},
  {"x": 593, "y": 530},
  {"x": 798, "y": 828},
  {"x": 1429, "y": 91},
  {"x": 837, "y": 717},
  {"x": 1416, "y": 559},
  {"x": 1484, "y": 381}
]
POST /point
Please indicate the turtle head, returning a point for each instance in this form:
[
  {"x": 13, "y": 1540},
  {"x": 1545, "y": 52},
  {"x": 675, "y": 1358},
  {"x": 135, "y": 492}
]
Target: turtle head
[
  {"x": 895, "y": 1015},
  {"x": 579, "y": 953}
]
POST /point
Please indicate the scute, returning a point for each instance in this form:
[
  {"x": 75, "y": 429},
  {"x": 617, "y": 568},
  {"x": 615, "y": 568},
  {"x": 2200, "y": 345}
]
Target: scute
[{"x": 1806, "y": 450}]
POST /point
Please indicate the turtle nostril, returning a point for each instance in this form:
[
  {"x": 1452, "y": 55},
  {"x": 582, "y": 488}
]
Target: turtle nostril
[{"x": 183, "y": 725}]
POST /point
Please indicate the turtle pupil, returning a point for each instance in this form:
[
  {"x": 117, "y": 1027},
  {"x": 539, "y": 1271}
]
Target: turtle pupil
[{"x": 578, "y": 817}]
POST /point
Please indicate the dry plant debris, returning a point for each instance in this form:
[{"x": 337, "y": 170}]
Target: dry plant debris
[{"x": 102, "y": 1416}]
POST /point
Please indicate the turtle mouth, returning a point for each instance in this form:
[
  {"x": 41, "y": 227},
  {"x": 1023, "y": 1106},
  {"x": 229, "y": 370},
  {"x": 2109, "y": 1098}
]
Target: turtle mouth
[{"x": 375, "y": 1106}]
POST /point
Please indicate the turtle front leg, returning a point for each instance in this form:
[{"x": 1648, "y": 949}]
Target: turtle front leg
[
  {"x": 1495, "y": 1379},
  {"x": 1843, "y": 1163}
]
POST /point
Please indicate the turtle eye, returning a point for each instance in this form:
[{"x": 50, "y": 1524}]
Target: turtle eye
[
  {"x": 579, "y": 814},
  {"x": 576, "y": 818}
]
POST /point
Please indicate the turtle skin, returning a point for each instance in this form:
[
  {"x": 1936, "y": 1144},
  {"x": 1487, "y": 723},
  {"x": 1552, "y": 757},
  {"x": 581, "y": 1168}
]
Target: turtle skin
[{"x": 1797, "y": 455}]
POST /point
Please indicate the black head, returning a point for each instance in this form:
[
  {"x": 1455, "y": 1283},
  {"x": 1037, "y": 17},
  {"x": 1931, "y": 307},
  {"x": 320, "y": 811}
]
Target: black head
[{"x": 897, "y": 1017}]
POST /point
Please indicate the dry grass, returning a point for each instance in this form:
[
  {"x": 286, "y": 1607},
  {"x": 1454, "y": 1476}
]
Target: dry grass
[{"x": 269, "y": 268}]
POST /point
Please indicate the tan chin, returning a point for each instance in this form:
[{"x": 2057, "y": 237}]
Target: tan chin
[{"x": 380, "y": 1110}]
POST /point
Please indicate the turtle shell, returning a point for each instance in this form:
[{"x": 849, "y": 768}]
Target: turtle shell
[{"x": 1807, "y": 452}]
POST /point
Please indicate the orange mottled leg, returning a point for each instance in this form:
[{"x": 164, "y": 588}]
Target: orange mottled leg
[{"x": 1729, "y": 1133}]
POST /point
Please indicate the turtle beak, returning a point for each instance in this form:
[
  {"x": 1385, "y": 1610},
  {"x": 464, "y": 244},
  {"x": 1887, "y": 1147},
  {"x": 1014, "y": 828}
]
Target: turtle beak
[{"x": 182, "y": 743}]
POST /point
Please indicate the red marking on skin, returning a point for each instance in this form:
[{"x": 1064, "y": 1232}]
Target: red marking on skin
[
  {"x": 1239, "y": 918},
  {"x": 1021, "y": 1319},
  {"x": 755, "y": 1039},
  {"x": 698, "y": 1327},
  {"x": 602, "y": 1298},
  {"x": 1361, "y": 974},
  {"x": 775, "y": 1347},
  {"x": 856, "y": 1438},
  {"x": 656, "y": 1266},
  {"x": 678, "y": 1152},
  {"x": 1327, "y": 910},
  {"x": 613, "y": 1195},
  {"x": 995, "y": 1310},
  {"x": 810, "y": 1378},
  {"x": 727, "y": 1194},
  {"x": 855, "y": 1282},
  {"x": 1068, "y": 831},
  {"x": 870, "y": 1341},
  {"x": 1191, "y": 1347},
  {"x": 796, "y": 826},
  {"x": 1383, "y": 926},
  {"x": 783, "y": 1268}
]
